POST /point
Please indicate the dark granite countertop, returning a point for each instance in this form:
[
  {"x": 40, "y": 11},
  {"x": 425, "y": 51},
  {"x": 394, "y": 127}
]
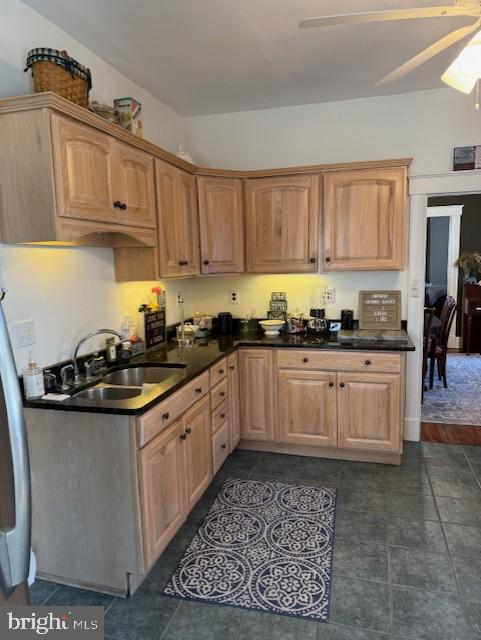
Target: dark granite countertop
[{"x": 200, "y": 358}]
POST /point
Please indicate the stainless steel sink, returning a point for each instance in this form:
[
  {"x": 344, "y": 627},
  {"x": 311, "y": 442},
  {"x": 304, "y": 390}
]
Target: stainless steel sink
[
  {"x": 137, "y": 376},
  {"x": 108, "y": 393}
]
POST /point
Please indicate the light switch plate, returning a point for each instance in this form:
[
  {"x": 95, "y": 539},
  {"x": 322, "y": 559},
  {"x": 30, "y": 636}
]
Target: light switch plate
[{"x": 24, "y": 333}]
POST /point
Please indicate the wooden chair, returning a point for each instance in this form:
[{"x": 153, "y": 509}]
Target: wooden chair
[
  {"x": 440, "y": 353},
  {"x": 429, "y": 313}
]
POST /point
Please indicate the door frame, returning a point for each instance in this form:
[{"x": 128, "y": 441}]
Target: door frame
[
  {"x": 454, "y": 213},
  {"x": 420, "y": 188}
]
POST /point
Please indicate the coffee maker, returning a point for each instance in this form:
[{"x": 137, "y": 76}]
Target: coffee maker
[{"x": 317, "y": 322}]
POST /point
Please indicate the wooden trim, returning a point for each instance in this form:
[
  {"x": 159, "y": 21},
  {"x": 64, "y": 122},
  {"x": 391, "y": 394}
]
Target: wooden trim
[
  {"x": 61, "y": 105},
  {"x": 382, "y": 457}
]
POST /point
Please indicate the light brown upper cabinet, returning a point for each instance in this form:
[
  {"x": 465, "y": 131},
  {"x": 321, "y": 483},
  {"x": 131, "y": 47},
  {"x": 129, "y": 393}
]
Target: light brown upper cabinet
[
  {"x": 178, "y": 221},
  {"x": 221, "y": 227},
  {"x": 365, "y": 219},
  {"x": 282, "y": 224},
  {"x": 99, "y": 178}
]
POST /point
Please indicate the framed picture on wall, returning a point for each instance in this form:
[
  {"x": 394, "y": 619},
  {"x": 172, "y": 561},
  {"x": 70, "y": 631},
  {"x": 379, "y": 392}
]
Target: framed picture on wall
[{"x": 466, "y": 158}]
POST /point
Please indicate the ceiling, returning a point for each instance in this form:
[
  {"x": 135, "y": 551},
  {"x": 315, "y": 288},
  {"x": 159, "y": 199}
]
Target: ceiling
[{"x": 214, "y": 56}]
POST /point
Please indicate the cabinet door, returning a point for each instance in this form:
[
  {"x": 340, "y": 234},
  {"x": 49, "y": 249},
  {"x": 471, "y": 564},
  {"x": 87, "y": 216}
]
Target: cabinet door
[
  {"x": 84, "y": 164},
  {"x": 198, "y": 449},
  {"x": 234, "y": 408},
  {"x": 282, "y": 224},
  {"x": 162, "y": 490},
  {"x": 307, "y": 407},
  {"x": 221, "y": 226},
  {"x": 369, "y": 411},
  {"x": 177, "y": 221},
  {"x": 189, "y": 219},
  {"x": 136, "y": 189},
  {"x": 364, "y": 219},
  {"x": 255, "y": 368}
]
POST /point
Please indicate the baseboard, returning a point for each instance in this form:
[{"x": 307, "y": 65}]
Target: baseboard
[{"x": 412, "y": 429}]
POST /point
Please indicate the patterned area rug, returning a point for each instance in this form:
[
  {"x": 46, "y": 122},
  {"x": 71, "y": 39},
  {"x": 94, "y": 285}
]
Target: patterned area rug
[
  {"x": 265, "y": 546},
  {"x": 460, "y": 403}
]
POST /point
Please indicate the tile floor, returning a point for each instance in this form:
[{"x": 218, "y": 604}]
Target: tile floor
[{"x": 407, "y": 556}]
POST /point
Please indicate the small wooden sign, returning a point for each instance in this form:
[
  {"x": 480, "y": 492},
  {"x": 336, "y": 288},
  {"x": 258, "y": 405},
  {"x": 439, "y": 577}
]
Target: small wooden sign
[
  {"x": 154, "y": 328},
  {"x": 380, "y": 310}
]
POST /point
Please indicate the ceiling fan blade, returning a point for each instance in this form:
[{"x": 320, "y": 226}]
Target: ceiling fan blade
[
  {"x": 428, "y": 53},
  {"x": 384, "y": 16}
]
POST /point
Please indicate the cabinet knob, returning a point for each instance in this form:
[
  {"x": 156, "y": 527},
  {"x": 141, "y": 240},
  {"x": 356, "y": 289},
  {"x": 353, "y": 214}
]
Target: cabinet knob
[
  {"x": 124, "y": 206},
  {"x": 305, "y": 359},
  {"x": 222, "y": 393},
  {"x": 331, "y": 384},
  {"x": 198, "y": 390},
  {"x": 342, "y": 385},
  {"x": 206, "y": 262},
  {"x": 188, "y": 430},
  {"x": 183, "y": 263},
  {"x": 368, "y": 362},
  {"x": 328, "y": 259},
  {"x": 183, "y": 436},
  {"x": 165, "y": 416},
  {"x": 222, "y": 415},
  {"x": 221, "y": 371},
  {"x": 223, "y": 446},
  {"x": 117, "y": 204},
  {"x": 312, "y": 260},
  {"x": 232, "y": 367}
]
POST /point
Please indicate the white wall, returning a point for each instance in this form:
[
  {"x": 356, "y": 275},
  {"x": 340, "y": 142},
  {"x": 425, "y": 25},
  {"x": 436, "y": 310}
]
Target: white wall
[
  {"x": 426, "y": 126},
  {"x": 69, "y": 292}
]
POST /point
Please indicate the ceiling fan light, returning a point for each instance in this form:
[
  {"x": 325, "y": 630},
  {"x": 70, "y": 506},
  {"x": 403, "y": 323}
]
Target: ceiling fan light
[
  {"x": 463, "y": 73},
  {"x": 458, "y": 79}
]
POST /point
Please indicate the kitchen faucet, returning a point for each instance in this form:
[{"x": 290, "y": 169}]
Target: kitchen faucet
[{"x": 76, "y": 372}]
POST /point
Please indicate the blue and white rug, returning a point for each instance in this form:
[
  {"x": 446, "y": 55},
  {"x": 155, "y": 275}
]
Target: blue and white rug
[{"x": 265, "y": 546}]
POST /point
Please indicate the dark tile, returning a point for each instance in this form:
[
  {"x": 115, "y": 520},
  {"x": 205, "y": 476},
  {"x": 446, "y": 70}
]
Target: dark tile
[
  {"x": 441, "y": 451},
  {"x": 317, "y": 471},
  {"x": 464, "y": 539},
  {"x": 412, "y": 451},
  {"x": 362, "y": 525},
  {"x": 459, "y": 511},
  {"x": 468, "y": 570},
  {"x": 184, "y": 535},
  {"x": 428, "y": 616},
  {"x": 361, "y": 500},
  {"x": 473, "y": 611},
  {"x": 440, "y": 467},
  {"x": 360, "y": 603},
  {"x": 40, "y": 590},
  {"x": 422, "y": 569},
  {"x": 162, "y": 570},
  {"x": 79, "y": 598},
  {"x": 411, "y": 505},
  {"x": 364, "y": 478},
  {"x": 201, "y": 509},
  {"x": 411, "y": 532},
  {"x": 463, "y": 487},
  {"x": 239, "y": 461},
  {"x": 407, "y": 480},
  {"x": 473, "y": 453},
  {"x": 339, "y": 632},
  {"x": 142, "y": 617},
  {"x": 202, "y": 621},
  {"x": 276, "y": 466},
  {"x": 360, "y": 559},
  {"x": 265, "y": 626}
]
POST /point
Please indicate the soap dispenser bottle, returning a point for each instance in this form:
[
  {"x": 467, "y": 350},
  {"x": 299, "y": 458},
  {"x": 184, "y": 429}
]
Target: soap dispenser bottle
[{"x": 33, "y": 380}]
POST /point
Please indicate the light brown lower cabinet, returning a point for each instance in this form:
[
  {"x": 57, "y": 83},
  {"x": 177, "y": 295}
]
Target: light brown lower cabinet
[
  {"x": 198, "y": 450},
  {"x": 163, "y": 491},
  {"x": 255, "y": 366},
  {"x": 307, "y": 407},
  {"x": 234, "y": 400},
  {"x": 369, "y": 411}
]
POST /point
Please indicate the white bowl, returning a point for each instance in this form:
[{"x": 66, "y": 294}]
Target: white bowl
[{"x": 272, "y": 327}]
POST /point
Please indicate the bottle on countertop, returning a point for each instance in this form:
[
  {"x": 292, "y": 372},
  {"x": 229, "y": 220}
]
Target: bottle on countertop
[
  {"x": 125, "y": 352},
  {"x": 49, "y": 381},
  {"x": 33, "y": 380},
  {"x": 111, "y": 349}
]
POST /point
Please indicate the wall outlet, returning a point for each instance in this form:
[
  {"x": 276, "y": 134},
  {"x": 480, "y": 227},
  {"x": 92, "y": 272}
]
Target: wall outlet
[
  {"x": 180, "y": 298},
  {"x": 329, "y": 295},
  {"x": 234, "y": 296},
  {"x": 24, "y": 333}
]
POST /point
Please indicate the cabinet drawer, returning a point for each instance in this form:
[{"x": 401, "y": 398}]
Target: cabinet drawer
[
  {"x": 220, "y": 446},
  {"x": 218, "y": 394},
  {"x": 218, "y": 372},
  {"x": 220, "y": 415},
  {"x": 333, "y": 360},
  {"x": 164, "y": 414}
]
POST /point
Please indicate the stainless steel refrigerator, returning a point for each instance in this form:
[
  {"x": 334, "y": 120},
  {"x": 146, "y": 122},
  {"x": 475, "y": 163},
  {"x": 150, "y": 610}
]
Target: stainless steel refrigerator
[{"x": 15, "y": 503}]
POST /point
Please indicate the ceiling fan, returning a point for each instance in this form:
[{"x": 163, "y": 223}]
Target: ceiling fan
[{"x": 470, "y": 8}]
